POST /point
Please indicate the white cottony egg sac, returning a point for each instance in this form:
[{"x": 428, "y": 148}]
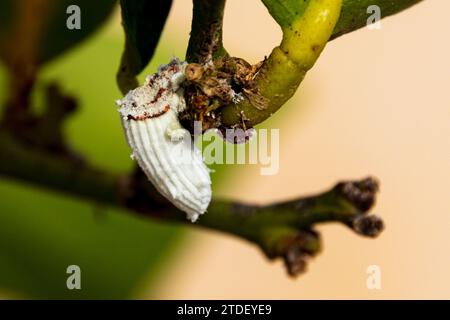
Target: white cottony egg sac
[{"x": 161, "y": 147}]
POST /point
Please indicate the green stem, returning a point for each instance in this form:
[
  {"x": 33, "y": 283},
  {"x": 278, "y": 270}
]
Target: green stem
[{"x": 303, "y": 41}]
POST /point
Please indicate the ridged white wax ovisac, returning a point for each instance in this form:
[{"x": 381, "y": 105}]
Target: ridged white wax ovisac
[{"x": 161, "y": 147}]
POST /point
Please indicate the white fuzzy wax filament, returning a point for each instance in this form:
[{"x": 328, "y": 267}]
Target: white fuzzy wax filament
[{"x": 171, "y": 162}]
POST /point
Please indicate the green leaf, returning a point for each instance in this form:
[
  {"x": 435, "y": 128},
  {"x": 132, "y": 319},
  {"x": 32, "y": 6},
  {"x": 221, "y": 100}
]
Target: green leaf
[
  {"x": 354, "y": 13},
  {"x": 143, "y": 22},
  {"x": 59, "y": 39},
  {"x": 5, "y": 18},
  {"x": 6, "y": 9},
  {"x": 35, "y": 31},
  {"x": 285, "y": 11}
]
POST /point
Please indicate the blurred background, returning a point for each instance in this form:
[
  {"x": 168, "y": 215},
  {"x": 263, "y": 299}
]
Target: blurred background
[{"x": 377, "y": 103}]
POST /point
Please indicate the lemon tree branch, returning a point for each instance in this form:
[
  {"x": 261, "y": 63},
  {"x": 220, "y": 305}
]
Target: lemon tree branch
[
  {"x": 282, "y": 230},
  {"x": 307, "y": 26}
]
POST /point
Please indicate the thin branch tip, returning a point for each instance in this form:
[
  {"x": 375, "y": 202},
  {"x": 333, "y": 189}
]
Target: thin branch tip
[{"x": 368, "y": 226}]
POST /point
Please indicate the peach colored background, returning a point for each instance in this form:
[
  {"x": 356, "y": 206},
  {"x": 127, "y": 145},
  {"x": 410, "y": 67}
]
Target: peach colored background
[{"x": 377, "y": 102}]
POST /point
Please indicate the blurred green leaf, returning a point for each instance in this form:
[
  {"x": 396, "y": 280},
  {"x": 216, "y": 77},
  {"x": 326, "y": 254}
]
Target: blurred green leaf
[
  {"x": 42, "y": 233},
  {"x": 143, "y": 22},
  {"x": 45, "y": 21},
  {"x": 58, "y": 38},
  {"x": 5, "y": 18},
  {"x": 42, "y": 236},
  {"x": 285, "y": 11}
]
